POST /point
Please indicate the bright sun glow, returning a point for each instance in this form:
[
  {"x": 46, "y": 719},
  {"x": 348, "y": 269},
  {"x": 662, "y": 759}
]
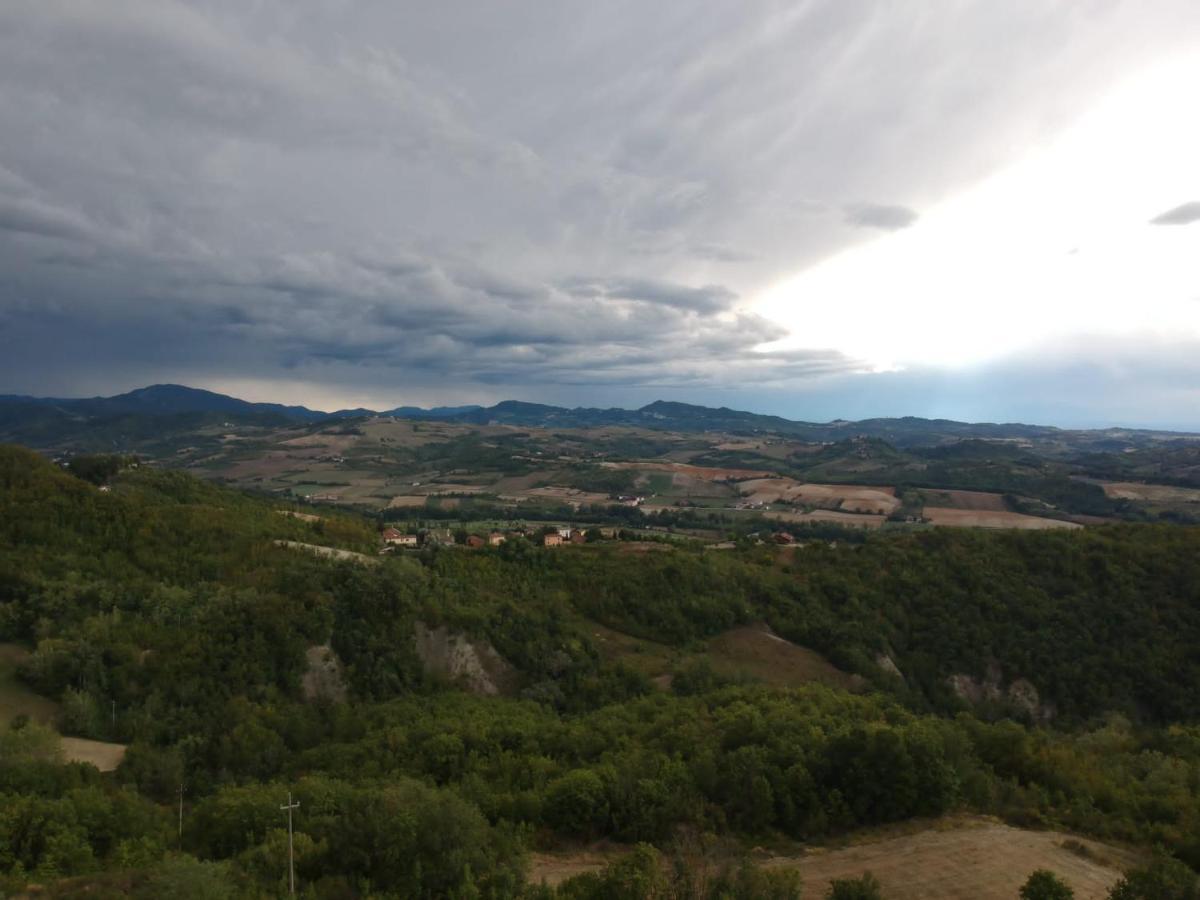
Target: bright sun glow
[{"x": 1058, "y": 245}]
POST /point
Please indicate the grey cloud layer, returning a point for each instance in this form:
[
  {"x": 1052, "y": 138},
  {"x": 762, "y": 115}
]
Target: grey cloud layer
[{"x": 457, "y": 192}]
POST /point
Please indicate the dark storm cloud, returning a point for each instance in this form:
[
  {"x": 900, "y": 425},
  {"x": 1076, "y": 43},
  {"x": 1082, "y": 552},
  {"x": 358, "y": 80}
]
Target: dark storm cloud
[
  {"x": 1184, "y": 214},
  {"x": 876, "y": 215},
  {"x": 452, "y": 194}
]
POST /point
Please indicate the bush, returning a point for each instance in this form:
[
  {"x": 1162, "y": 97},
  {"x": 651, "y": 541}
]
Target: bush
[
  {"x": 866, "y": 887},
  {"x": 1045, "y": 885}
]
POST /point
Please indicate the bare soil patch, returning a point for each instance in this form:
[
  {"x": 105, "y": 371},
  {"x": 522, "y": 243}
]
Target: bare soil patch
[{"x": 970, "y": 518}]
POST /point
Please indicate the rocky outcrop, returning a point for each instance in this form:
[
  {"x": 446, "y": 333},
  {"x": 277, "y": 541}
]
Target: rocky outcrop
[
  {"x": 323, "y": 680},
  {"x": 1020, "y": 694},
  {"x": 474, "y": 664},
  {"x": 888, "y": 665}
]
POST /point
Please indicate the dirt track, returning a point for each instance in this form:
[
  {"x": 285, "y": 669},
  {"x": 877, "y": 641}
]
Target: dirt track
[{"x": 330, "y": 552}]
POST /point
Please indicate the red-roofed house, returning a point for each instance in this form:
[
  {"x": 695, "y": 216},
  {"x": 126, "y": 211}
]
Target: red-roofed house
[{"x": 398, "y": 538}]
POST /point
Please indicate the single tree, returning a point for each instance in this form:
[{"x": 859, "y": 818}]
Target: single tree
[{"x": 1045, "y": 885}]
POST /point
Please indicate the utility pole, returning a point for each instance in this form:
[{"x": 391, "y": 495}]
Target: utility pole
[
  {"x": 291, "y": 860},
  {"x": 181, "y": 815}
]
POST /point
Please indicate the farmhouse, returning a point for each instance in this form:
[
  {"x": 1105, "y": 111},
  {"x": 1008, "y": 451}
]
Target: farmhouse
[
  {"x": 564, "y": 533},
  {"x": 398, "y": 538},
  {"x": 495, "y": 539},
  {"x": 474, "y": 541},
  {"x": 578, "y": 537},
  {"x": 551, "y": 540}
]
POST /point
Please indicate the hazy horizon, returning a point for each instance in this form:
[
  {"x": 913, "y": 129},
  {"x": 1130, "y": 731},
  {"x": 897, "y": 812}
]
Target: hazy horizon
[
  {"x": 831, "y": 210},
  {"x": 386, "y": 405}
]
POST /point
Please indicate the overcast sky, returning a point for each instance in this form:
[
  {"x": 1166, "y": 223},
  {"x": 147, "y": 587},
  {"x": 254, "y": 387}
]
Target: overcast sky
[{"x": 980, "y": 210}]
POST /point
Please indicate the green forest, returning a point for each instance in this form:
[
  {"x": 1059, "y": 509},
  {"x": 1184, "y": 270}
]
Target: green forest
[{"x": 160, "y": 612}]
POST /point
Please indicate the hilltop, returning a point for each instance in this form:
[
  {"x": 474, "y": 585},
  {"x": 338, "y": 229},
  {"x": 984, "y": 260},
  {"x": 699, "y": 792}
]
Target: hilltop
[{"x": 58, "y": 421}]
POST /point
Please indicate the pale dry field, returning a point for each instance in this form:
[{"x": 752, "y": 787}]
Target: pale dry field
[
  {"x": 972, "y": 518},
  {"x": 407, "y": 501},
  {"x": 16, "y": 699},
  {"x": 960, "y": 858},
  {"x": 974, "y": 859},
  {"x": 1155, "y": 493},
  {"x": 566, "y": 495},
  {"x": 860, "y": 520},
  {"x": 101, "y": 754}
]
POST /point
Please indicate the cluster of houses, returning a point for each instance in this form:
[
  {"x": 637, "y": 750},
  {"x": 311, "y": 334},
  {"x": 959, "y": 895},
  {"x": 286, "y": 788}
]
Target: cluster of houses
[{"x": 393, "y": 538}]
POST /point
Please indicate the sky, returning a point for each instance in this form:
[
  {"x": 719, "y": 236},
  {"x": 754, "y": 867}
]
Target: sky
[{"x": 962, "y": 208}]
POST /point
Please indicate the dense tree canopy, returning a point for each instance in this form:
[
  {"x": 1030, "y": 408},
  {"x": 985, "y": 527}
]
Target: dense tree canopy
[{"x": 163, "y": 614}]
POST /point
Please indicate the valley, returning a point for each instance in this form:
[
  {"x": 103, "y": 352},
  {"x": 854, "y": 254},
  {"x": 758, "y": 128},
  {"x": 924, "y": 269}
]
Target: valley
[{"x": 752, "y": 661}]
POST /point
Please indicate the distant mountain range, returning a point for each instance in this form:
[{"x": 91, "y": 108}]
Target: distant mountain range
[{"x": 48, "y": 422}]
